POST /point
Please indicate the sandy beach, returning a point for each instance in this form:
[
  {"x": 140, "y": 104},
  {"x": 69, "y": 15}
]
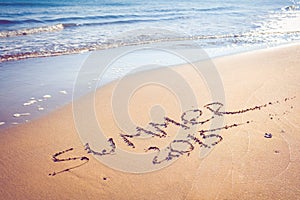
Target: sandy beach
[{"x": 255, "y": 154}]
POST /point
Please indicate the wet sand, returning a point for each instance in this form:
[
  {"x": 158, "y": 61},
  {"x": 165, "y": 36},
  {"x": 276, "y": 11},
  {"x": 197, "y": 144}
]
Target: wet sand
[{"x": 253, "y": 154}]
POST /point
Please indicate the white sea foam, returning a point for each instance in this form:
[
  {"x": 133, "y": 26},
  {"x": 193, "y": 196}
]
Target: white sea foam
[
  {"x": 40, "y": 108},
  {"x": 47, "y": 96},
  {"x": 63, "y": 92},
  {"x": 53, "y": 28},
  {"x": 20, "y": 114},
  {"x": 30, "y": 102}
]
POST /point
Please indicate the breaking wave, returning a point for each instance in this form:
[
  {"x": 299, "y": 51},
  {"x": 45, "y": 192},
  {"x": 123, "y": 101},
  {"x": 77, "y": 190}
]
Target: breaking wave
[{"x": 29, "y": 31}]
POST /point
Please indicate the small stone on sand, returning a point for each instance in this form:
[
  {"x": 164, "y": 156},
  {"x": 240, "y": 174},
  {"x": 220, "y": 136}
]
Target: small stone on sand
[
  {"x": 2, "y": 123},
  {"x": 268, "y": 135}
]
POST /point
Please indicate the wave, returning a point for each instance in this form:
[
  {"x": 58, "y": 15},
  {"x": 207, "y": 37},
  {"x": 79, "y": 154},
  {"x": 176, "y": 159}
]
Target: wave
[
  {"x": 249, "y": 34},
  {"x": 63, "y": 19},
  {"x": 3, "y": 21},
  {"x": 137, "y": 41},
  {"x": 19, "y": 56},
  {"x": 26, "y": 21},
  {"x": 30, "y": 4},
  {"x": 61, "y": 26},
  {"x": 53, "y": 28},
  {"x": 108, "y": 17},
  {"x": 130, "y": 21},
  {"x": 176, "y": 10},
  {"x": 60, "y": 4},
  {"x": 290, "y": 8}
]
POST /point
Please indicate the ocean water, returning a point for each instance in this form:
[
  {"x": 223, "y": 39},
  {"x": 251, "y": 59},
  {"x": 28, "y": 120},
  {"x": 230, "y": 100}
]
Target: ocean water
[{"x": 40, "y": 28}]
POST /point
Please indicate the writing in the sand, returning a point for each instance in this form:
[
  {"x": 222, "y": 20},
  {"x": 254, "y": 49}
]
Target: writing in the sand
[
  {"x": 205, "y": 138},
  {"x": 55, "y": 158}
]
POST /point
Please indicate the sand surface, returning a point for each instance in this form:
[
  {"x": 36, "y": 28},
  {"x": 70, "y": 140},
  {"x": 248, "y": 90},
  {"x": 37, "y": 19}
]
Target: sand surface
[{"x": 258, "y": 157}]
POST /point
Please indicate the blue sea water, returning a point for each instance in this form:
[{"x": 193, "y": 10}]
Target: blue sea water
[{"x": 39, "y": 28}]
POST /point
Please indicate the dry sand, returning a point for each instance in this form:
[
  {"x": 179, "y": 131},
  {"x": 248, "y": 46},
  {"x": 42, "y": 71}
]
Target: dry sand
[{"x": 244, "y": 165}]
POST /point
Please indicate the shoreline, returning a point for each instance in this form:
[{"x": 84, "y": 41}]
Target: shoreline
[
  {"x": 258, "y": 156},
  {"x": 233, "y": 51},
  {"x": 60, "y": 93}
]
